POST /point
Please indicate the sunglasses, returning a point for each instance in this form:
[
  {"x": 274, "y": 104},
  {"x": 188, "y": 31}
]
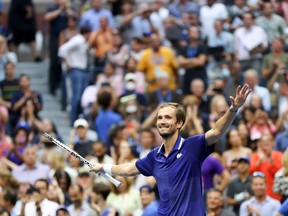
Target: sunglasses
[{"x": 258, "y": 174}]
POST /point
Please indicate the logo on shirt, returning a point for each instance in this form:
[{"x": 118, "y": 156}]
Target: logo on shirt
[{"x": 179, "y": 155}]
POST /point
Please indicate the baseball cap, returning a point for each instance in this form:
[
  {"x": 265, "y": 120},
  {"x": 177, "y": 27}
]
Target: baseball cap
[
  {"x": 244, "y": 159},
  {"x": 130, "y": 76},
  {"x": 81, "y": 123},
  {"x": 23, "y": 125}
]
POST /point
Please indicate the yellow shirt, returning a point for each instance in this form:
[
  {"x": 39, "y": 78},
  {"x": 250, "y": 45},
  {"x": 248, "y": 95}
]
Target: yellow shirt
[{"x": 151, "y": 62}]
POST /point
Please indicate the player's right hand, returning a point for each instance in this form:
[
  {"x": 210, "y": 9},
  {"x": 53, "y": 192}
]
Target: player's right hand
[{"x": 97, "y": 167}]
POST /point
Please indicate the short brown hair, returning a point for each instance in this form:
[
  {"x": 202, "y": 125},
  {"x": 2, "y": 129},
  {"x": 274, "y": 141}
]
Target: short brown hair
[{"x": 180, "y": 111}]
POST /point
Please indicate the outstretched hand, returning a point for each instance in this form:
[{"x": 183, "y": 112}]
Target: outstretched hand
[{"x": 240, "y": 98}]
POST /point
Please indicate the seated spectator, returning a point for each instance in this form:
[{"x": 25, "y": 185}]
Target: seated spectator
[
  {"x": 149, "y": 202},
  {"x": 8, "y": 201},
  {"x": 19, "y": 98},
  {"x": 64, "y": 181},
  {"x": 274, "y": 62},
  {"x": 281, "y": 139},
  {"x": 210, "y": 168},
  {"x": 251, "y": 78},
  {"x": 38, "y": 203},
  {"x": 235, "y": 151},
  {"x": 85, "y": 179},
  {"x": 281, "y": 179},
  {"x": 5, "y": 56},
  {"x": 15, "y": 154},
  {"x": 5, "y": 140},
  {"x": 55, "y": 193},
  {"x": 244, "y": 134},
  {"x": 268, "y": 161},
  {"x": 62, "y": 211},
  {"x": 214, "y": 202},
  {"x": 163, "y": 94},
  {"x": 7, "y": 181},
  {"x": 98, "y": 196},
  {"x": 136, "y": 48},
  {"x": 239, "y": 189},
  {"x": 261, "y": 124},
  {"x": 56, "y": 162},
  {"x": 193, "y": 124},
  {"x": 30, "y": 170},
  {"x": 134, "y": 75},
  {"x": 125, "y": 198},
  {"x": 118, "y": 54},
  {"x": 106, "y": 117},
  {"x": 23, "y": 197},
  {"x": 261, "y": 203},
  {"x": 79, "y": 206},
  {"x": 111, "y": 78},
  {"x": 9, "y": 85},
  {"x": 83, "y": 145}
]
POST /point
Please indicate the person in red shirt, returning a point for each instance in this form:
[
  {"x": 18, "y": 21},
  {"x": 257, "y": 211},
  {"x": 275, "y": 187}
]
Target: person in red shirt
[{"x": 268, "y": 161}]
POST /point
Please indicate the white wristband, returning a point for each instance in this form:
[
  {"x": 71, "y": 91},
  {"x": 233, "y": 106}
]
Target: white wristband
[{"x": 108, "y": 168}]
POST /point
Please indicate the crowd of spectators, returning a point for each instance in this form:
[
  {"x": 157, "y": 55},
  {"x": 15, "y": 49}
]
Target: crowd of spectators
[{"x": 114, "y": 64}]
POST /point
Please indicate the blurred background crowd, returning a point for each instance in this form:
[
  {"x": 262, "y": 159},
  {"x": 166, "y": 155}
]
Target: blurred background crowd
[{"x": 114, "y": 62}]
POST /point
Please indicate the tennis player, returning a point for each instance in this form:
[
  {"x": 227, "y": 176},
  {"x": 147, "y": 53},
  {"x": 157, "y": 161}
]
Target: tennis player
[{"x": 176, "y": 164}]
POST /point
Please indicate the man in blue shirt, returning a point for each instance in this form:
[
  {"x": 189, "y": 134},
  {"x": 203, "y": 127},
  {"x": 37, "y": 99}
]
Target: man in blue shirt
[{"x": 176, "y": 164}]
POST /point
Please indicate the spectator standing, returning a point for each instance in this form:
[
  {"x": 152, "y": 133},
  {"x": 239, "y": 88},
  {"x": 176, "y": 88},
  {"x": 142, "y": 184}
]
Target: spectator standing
[
  {"x": 273, "y": 24},
  {"x": 157, "y": 59},
  {"x": 261, "y": 203},
  {"x": 91, "y": 18},
  {"x": 193, "y": 59},
  {"x": 178, "y": 7},
  {"x": 22, "y": 23},
  {"x": 57, "y": 17},
  {"x": 211, "y": 12},
  {"x": 102, "y": 40},
  {"x": 246, "y": 53},
  {"x": 74, "y": 53}
]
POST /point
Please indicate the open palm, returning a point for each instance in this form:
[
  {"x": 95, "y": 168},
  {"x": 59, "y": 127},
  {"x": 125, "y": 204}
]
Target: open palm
[{"x": 241, "y": 96}]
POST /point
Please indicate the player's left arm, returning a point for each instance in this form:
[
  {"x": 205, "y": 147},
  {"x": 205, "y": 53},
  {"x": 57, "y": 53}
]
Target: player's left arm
[{"x": 224, "y": 123}]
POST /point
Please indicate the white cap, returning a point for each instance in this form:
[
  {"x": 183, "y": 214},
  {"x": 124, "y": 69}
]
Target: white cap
[
  {"x": 130, "y": 76},
  {"x": 81, "y": 123}
]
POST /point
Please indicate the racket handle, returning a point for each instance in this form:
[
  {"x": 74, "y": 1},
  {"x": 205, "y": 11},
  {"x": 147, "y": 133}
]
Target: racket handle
[{"x": 110, "y": 179}]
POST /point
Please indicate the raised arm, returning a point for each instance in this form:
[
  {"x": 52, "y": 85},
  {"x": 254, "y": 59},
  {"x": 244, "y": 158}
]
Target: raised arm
[
  {"x": 127, "y": 169},
  {"x": 224, "y": 123}
]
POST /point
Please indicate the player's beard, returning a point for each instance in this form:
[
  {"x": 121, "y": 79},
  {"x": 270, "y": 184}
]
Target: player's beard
[{"x": 167, "y": 134}]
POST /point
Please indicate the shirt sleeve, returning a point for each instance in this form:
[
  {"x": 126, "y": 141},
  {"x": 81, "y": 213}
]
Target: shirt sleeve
[
  {"x": 218, "y": 167},
  {"x": 146, "y": 165},
  {"x": 284, "y": 208}
]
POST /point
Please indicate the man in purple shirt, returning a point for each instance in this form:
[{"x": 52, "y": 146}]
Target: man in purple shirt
[{"x": 176, "y": 164}]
